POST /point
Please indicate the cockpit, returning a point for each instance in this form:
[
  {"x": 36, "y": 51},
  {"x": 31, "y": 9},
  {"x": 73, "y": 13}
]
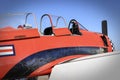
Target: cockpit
[
  {"x": 18, "y": 20},
  {"x": 59, "y": 23},
  {"x": 49, "y": 24}
]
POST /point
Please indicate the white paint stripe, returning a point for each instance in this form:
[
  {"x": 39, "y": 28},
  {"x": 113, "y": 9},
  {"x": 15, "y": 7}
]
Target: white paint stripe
[
  {"x": 6, "y": 53},
  {"x": 6, "y": 47}
]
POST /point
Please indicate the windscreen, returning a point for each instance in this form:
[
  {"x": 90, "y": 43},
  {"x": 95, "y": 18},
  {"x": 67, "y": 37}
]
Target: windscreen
[
  {"x": 14, "y": 20},
  {"x": 48, "y": 21}
]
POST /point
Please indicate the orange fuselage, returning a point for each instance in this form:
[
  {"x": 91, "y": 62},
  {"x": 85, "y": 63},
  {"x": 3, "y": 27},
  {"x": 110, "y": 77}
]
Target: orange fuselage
[{"x": 26, "y": 53}]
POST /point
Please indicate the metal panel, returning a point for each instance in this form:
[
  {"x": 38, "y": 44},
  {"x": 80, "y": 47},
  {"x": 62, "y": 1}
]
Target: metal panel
[{"x": 96, "y": 67}]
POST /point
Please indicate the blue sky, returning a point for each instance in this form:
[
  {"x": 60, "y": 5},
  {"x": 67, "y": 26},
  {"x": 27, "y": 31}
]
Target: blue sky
[{"x": 89, "y": 13}]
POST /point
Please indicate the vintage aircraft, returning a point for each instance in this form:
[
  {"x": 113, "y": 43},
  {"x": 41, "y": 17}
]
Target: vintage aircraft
[{"x": 28, "y": 51}]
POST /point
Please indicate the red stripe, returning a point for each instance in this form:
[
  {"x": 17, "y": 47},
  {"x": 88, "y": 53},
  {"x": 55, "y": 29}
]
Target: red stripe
[{"x": 8, "y": 50}]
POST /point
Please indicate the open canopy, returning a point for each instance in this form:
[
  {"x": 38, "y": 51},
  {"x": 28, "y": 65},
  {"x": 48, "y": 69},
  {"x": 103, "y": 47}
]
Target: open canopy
[{"x": 14, "y": 20}]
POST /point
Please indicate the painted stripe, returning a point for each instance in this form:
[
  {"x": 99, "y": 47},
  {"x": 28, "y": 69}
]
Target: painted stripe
[
  {"x": 25, "y": 67},
  {"x": 6, "y": 47},
  {"x": 6, "y": 50},
  {"x": 6, "y": 53}
]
